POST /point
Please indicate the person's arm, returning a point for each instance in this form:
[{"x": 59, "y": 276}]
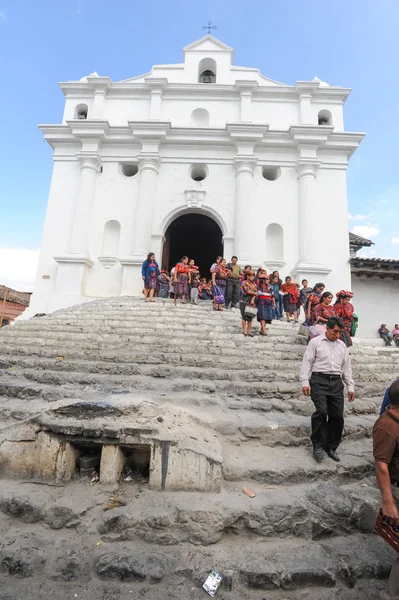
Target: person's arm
[
  {"x": 389, "y": 508},
  {"x": 143, "y": 266},
  {"x": 347, "y": 375},
  {"x": 214, "y": 278},
  {"x": 306, "y": 367}
]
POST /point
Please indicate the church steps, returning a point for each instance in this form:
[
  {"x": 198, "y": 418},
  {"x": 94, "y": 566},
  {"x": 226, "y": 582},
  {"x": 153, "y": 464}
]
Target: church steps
[
  {"x": 18, "y": 355},
  {"x": 14, "y": 355},
  {"x": 246, "y": 382},
  {"x": 293, "y": 465},
  {"x": 277, "y": 512}
]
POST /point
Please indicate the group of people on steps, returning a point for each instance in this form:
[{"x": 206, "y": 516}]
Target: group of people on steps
[{"x": 255, "y": 293}]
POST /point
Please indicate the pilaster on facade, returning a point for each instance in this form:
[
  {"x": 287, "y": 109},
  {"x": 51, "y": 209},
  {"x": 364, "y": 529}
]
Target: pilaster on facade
[
  {"x": 100, "y": 86},
  {"x": 244, "y": 163},
  {"x": 246, "y": 89},
  {"x": 246, "y": 136},
  {"x": 156, "y": 86},
  {"x": 149, "y": 161}
]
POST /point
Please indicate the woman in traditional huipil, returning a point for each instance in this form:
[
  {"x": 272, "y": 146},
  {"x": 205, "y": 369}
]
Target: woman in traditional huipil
[
  {"x": 213, "y": 270},
  {"x": 249, "y": 292},
  {"x": 265, "y": 301},
  {"x": 149, "y": 274},
  {"x": 290, "y": 299},
  {"x": 324, "y": 310},
  {"x": 219, "y": 281},
  {"x": 313, "y": 301},
  {"x": 345, "y": 310},
  {"x": 182, "y": 271}
]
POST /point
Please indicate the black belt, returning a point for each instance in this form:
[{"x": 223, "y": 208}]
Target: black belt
[{"x": 328, "y": 376}]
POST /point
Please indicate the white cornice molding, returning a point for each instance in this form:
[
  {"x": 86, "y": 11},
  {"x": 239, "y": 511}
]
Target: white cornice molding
[
  {"x": 150, "y": 129},
  {"x": 65, "y": 137},
  {"x": 99, "y": 84},
  {"x": 156, "y": 83},
  {"x": 89, "y": 128},
  {"x": 248, "y": 132}
]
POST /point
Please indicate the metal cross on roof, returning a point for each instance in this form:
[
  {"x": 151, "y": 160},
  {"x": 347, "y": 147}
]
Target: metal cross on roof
[{"x": 209, "y": 26}]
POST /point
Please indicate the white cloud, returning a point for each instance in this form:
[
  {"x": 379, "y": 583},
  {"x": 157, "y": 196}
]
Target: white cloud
[
  {"x": 366, "y": 231},
  {"x": 358, "y": 217},
  {"x": 18, "y": 268},
  {"x": 3, "y": 15},
  {"x": 395, "y": 240}
]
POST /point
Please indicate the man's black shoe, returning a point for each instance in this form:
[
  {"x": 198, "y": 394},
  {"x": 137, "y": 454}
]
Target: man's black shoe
[
  {"x": 332, "y": 454},
  {"x": 318, "y": 453},
  {"x": 234, "y": 306}
]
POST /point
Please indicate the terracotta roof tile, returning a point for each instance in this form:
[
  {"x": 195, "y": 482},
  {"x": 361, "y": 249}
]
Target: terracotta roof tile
[{"x": 15, "y": 296}]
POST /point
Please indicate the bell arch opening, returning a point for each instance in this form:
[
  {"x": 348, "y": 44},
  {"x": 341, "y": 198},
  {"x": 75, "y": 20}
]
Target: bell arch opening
[{"x": 196, "y": 236}]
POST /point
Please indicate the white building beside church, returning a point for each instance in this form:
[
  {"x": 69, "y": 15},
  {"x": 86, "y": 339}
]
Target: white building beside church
[{"x": 198, "y": 158}]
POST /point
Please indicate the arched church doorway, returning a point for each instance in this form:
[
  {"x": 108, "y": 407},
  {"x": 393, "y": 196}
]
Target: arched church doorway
[{"x": 196, "y": 236}]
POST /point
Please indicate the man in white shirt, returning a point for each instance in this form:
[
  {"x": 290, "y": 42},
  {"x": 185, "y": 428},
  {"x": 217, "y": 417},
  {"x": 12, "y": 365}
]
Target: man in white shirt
[{"x": 325, "y": 366}]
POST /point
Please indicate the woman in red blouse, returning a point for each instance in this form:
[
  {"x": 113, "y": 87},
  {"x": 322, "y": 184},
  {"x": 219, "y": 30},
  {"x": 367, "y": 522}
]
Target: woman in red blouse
[
  {"x": 182, "y": 271},
  {"x": 323, "y": 311},
  {"x": 345, "y": 309},
  {"x": 290, "y": 299},
  {"x": 249, "y": 292},
  {"x": 313, "y": 301}
]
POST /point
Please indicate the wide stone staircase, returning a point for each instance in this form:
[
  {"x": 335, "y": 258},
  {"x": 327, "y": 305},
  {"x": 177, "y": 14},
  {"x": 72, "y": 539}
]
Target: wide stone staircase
[{"x": 121, "y": 384}]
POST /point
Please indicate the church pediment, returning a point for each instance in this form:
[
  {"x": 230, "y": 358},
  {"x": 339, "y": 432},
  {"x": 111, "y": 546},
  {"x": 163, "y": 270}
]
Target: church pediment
[{"x": 208, "y": 44}]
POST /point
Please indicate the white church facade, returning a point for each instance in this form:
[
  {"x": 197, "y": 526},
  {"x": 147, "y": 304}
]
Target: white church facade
[{"x": 198, "y": 158}]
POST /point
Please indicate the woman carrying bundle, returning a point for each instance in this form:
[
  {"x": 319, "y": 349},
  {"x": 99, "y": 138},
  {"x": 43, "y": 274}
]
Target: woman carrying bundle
[
  {"x": 249, "y": 292},
  {"x": 345, "y": 310}
]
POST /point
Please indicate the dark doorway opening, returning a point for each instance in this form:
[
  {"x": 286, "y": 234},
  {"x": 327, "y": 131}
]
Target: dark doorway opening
[{"x": 196, "y": 236}]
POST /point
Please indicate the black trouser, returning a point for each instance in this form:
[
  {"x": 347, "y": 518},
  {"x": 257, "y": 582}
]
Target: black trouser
[
  {"x": 327, "y": 393},
  {"x": 232, "y": 292}
]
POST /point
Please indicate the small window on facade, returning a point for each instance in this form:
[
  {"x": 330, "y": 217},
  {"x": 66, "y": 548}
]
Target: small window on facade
[
  {"x": 81, "y": 112},
  {"x": 198, "y": 172},
  {"x": 207, "y": 71},
  {"x": 324, "y": 117},
  {"x": 129, "y": 169}
]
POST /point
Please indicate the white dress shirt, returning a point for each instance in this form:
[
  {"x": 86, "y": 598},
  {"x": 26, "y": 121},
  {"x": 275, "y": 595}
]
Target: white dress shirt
[{"x": 331, "y": 358}]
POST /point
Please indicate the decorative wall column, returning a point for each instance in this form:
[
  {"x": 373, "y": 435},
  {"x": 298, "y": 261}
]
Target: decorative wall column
[
  {"x": 305, "y": 115},
  {"x": 100, "y": 86},
  {"x": 156, "y": 86},
  {"x": 246, "y": 89},
  {"x": 305, "y": 91},
  {"x": 307, "y": 208},
  {"x": 242, "y": 224},
  {"x": 90, "y": 164},
  {"x": 149, "y": 168}
]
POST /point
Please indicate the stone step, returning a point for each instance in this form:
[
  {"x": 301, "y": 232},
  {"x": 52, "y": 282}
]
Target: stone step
[
  {"x": 162, "y": 345},
  {"x": 12, "y": 355},
  {"x": 277, "y": 465},
  {"x": 303, "y": 511},
  {"x": 203, "y": 337},
  {"x": 256, "y": 387},
  {"x": 150, "y": 370},
  {"x": 163, "y": 325},
  {"x": 347, "y": 567}
]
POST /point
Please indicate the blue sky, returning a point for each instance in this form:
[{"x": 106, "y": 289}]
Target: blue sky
[{"x": 353, "y": 43}]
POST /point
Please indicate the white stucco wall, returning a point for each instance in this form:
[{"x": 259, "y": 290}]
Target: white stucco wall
[{"x": 376, "y": 301}]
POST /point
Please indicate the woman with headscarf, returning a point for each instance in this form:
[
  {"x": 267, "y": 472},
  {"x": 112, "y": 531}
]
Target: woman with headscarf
[
  {"x": 345, "y": 310},
  {"x": 182, "y": 271},
  {"x": 149, "y": 274},
  {"x": 266, "y": 303},
  {"x": 313, "y": 301}
]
